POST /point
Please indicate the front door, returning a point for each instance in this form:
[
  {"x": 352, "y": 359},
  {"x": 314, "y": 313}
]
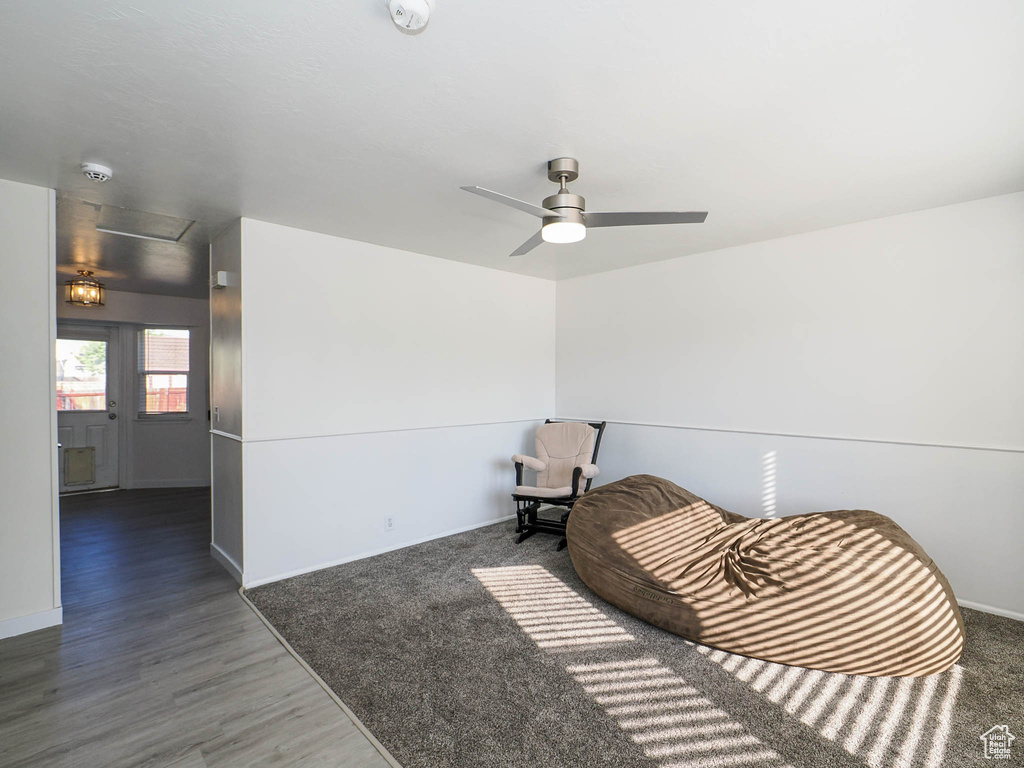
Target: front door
[{"x": 87, "y": 407}]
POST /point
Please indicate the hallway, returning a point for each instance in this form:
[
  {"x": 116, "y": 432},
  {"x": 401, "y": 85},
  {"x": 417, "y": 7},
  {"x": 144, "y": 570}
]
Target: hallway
[{"x": 159, "y": 662}]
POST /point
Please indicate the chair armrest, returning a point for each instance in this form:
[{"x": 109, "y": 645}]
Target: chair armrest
[
  {"x": 582, "y": 472},
  {"x": 529, "y": 462}
]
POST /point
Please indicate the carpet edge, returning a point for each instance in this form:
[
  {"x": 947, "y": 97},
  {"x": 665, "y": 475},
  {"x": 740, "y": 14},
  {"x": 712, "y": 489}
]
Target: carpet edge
[{"x": 388, "y": 757}]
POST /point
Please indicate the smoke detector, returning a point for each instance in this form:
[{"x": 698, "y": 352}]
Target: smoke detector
[
  {"x": 410, "y": 16},
  {"x": 96, "y": 172}
]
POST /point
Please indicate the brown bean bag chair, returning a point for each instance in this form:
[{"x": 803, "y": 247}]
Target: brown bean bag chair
[{"x": 845, "y": 591}]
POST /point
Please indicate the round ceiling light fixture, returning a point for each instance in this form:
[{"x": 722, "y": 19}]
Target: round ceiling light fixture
[
  {"x": 410, "y": 16},
  {"x": 96, "y": 172},
  {"x": 571, "y": 229}
]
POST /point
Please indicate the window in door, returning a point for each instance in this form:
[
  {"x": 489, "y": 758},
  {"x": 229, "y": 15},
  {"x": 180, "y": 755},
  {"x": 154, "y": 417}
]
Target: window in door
[
  {"x": 81, "y": 375},
  {"x": 163, "y": 372}
]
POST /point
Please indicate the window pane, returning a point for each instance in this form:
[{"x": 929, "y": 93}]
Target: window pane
[
  {"x": 165, "y": 393},
  {"x": 81, "y": 375},
  {"x": 162, "y": 353},
  {"x": 163, "y": 349}
]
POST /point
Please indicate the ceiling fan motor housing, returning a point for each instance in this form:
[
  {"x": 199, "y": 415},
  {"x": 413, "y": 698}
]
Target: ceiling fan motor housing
[
  {"x": 563, "y": 170},
  {"x": 569, "y": 205}
]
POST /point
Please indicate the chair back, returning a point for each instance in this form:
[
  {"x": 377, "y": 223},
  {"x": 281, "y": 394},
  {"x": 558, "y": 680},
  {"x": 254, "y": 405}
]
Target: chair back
[{"x": 563, "y": 446}]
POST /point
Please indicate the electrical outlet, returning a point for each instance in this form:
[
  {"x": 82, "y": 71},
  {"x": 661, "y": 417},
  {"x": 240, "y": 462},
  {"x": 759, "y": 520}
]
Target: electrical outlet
[{"x": 389, "y": 524}]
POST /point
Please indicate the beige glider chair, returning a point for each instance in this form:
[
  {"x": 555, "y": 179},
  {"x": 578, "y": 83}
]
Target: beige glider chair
[{"x": 566, "y": 452}]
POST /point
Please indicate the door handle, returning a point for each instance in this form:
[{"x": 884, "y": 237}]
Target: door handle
[{"x": 111, "y": 416}]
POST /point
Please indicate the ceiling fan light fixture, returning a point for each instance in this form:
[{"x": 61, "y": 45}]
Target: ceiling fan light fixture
[
  {"x": 564, "y": 213},
  {"x": 563, "y": 232}
]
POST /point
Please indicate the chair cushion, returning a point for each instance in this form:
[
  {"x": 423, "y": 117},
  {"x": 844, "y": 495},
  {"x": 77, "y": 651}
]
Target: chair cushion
[
  {"x": 563, "y": 446},
  {"x": 544, "y": 493}
]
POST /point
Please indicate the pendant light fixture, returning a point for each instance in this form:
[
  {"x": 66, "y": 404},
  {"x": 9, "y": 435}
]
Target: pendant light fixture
[{"x": 85, "y": 290}]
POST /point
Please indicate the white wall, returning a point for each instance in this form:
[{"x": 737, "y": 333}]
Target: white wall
[
  {"x": 343, "y": 336},
  {"x": 908, "y": 329},
  {"x": 227, "y": 492},
  {"x": 949, "y": 499},
  {"x": 904, "y": 328},
  {"x": 29, "y": 537},
  {"x": 315, "y": 502},
  {"x": 157, "y": 453},
  {"x": 379, "y": 382}
]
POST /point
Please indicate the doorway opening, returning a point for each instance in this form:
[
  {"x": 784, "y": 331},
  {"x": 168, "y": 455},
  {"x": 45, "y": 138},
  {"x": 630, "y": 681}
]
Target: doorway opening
[
  {"x": 88, "y": 428},
  {"x": 131, "y": 392},
  {"x": 131, "y": 405}
]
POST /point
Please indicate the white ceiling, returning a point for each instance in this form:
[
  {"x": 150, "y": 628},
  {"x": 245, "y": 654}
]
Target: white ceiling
[{"x": 777, "y": 117}]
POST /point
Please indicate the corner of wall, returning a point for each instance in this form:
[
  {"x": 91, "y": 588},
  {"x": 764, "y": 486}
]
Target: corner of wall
[
  {"x": 30, "y": 544},
  {"x": 54, "y": 457}
]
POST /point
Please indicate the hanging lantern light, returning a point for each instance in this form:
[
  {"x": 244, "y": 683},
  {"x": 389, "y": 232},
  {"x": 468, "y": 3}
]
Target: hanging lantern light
[{"x": 85, "y": 290}]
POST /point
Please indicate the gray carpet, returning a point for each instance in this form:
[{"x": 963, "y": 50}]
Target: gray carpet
[{"x": 472, "y": 651}]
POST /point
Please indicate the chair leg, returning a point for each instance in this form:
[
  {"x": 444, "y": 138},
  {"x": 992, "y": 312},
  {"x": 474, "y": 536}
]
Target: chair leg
[
  {"x": 527, "y": 518},
  {"x": 563, "y": 543}
]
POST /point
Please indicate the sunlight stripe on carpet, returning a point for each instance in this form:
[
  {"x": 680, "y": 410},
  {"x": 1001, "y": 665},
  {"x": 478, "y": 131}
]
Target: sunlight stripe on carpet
[{"x": 669, "y": 719}]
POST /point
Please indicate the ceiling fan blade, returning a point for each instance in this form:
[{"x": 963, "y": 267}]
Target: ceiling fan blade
[
  {"x": 633, "y": 218},
  {"x": 528, "y": 246},
  {"x": 525, "y": 207}
]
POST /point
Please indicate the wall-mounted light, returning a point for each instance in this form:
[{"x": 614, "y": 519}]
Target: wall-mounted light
[{"x": 84, "y": 290}]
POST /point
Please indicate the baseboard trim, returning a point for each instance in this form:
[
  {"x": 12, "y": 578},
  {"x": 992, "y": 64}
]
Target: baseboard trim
[
  {"x": 192, "y": 482},
  {"x": 227, "y": 562},
  {"x": 991, "y": 609},
  {"x": 373, "y": 553},
  {"x": 21, "y": 625}
]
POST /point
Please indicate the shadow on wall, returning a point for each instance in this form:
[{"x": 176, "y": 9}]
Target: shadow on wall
[{"x": 883, "y": 722}]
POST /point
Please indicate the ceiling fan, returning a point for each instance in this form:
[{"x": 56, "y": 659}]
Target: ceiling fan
[{"x": 565, "y": 216}]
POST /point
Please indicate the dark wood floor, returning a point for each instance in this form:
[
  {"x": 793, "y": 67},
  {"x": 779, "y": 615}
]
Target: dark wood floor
[{"x": 159, "y": 661}]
